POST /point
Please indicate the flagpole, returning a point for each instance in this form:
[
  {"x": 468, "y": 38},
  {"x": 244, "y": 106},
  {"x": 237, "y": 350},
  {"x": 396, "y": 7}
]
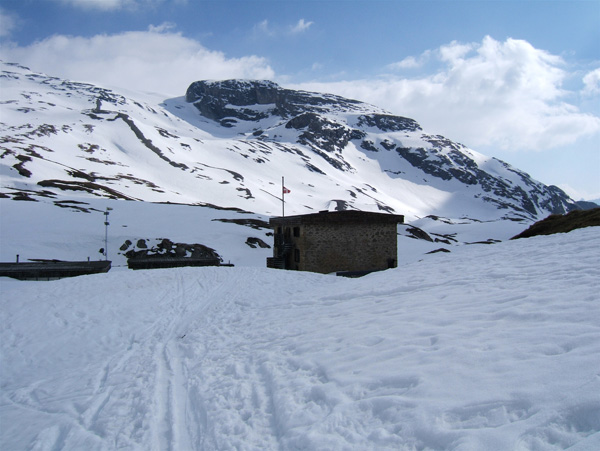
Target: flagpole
[{"x": 282, "y": 197}]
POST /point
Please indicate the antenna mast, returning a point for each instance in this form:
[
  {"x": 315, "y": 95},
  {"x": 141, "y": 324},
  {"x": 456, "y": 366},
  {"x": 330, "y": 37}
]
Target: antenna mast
[{"x": 106, "y": 224}]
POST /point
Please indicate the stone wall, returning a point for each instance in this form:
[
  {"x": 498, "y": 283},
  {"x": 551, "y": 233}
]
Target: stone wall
[
  {"x": 327, "y": 248},
  {"x": 329, "y": 241}
]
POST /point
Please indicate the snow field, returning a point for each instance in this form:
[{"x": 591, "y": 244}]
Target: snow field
[{"x": 493, "y": 347}]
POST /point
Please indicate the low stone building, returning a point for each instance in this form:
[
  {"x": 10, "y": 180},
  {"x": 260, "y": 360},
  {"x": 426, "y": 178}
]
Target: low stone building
[{"x": 336, "y": 241}]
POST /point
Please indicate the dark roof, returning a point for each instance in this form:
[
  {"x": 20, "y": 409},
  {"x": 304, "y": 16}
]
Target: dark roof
[
  {"x": 47, "y": 269},
  {"x": 340, "y": 217}
]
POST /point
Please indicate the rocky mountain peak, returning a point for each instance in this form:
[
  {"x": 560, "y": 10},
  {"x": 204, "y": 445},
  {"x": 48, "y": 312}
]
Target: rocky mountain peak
[
  {"x": 233, "y": 92},
  {"x": 249, "y": 100}
]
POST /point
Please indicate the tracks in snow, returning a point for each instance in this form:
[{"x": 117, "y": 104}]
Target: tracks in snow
[
  {"x": 175, "y": 366},
  {"x": 178, "y": 419},
  {"x": 142, "y": 391},
  {"x": 178, "y": 346}
]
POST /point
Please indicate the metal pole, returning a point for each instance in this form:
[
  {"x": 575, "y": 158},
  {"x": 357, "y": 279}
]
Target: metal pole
[
  {"x": 106, "y": 223},
  {"x": 282, "y": 198}
]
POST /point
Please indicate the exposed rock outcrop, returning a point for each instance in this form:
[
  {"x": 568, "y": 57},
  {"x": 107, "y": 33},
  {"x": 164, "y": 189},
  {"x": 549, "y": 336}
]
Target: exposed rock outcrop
[{"x": 563, "y": 223}]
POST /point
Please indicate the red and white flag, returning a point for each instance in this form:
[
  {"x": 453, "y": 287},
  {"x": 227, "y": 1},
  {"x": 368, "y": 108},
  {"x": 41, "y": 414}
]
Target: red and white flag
[{"x": 286, "y": 191}]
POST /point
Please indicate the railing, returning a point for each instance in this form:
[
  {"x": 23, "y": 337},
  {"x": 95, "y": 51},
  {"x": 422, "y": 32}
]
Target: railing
[{"x": 283, "y": 247}]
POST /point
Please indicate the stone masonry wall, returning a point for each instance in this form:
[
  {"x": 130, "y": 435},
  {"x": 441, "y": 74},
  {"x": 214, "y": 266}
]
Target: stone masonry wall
[{"x": 326, "y": 248}]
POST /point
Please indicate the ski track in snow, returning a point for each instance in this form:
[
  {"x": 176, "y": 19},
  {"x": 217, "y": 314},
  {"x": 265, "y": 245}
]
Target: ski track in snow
[
  {"x": 152, "y": 357},
  {"x": 493, "y": 347}
]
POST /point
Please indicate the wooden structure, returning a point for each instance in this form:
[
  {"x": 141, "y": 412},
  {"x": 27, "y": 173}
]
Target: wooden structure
[{"x": 355, "y": 242}]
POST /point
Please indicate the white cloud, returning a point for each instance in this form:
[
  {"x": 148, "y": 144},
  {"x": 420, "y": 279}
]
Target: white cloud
[
  {"x": 165, "y": 26},
  {"x": 114, "y": 5},
  {"x": 161, "y": 62},
  {"x": 410, "y": 62},
  {"x": 301, "y": 26},
  {"x": 263, "y": 28},
  {"x": 103, "y": 5},
  {"x": 8, "y": 23},
  {"x": 455, "y": 51},
  {"x": 591, "y": 83},
  {"x": 503, "y": 94}
]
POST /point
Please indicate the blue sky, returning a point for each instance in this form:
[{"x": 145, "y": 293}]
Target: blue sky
[{"x": 519, "y": 80}]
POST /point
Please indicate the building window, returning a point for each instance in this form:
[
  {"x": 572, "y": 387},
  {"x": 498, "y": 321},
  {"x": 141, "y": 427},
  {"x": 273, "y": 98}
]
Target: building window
[
  {"x": 296, "y": 255},
  {"x": 296, "y": 231}
]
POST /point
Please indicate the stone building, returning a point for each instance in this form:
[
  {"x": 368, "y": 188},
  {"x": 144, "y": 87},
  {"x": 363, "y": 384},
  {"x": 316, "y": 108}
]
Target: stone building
[{"x": 337, "y": 241}]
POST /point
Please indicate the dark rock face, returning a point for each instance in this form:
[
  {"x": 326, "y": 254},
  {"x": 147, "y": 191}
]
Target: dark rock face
[
  {"x": 536, "y": 196},
  {"x": 214, "y": 100},
  {"x": 389, "y": 123},
  {"x": 322, "y": 132},
  {"x": 167, "y": 248},
  {"x": 234, "y": 92},
  {"x": 419, "y": 234},
  {"x": 303, "y": 120},
  {"x": 456, "y": 165},
  {"x": 254, "y": 242},
  {"x": 441, "y": 249}
]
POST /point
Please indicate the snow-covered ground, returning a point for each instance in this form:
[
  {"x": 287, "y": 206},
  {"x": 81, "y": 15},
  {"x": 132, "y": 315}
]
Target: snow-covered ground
[{"x": 490, "y": 347}]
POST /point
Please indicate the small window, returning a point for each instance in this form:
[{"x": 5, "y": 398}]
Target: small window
[{"x": 296, "y": 231}]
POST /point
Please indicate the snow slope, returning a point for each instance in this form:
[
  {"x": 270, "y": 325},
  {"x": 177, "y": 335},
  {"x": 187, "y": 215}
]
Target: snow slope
[
  {"x": 487, "y": 348},
  {"x": 229, "y": 143}
]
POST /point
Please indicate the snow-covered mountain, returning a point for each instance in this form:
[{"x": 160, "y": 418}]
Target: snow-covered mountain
[{"x": 228, "y": 144}]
